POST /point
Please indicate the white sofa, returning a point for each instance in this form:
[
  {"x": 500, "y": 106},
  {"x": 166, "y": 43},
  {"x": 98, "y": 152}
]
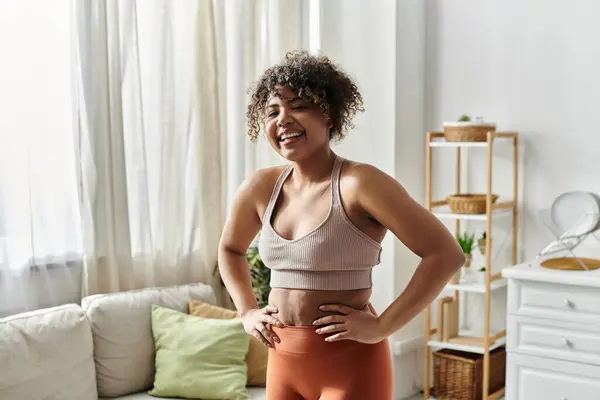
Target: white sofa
[{"x": 102, "y": 349}]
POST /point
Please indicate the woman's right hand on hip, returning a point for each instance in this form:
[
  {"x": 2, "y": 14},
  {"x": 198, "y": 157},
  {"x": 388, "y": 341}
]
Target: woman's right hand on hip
[{"x": 255, "y": 323}]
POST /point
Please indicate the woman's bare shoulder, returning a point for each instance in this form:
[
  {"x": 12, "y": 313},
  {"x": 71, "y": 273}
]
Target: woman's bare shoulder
[
  {"x": 264, "y": 178},
  {"x": 253, "y": 195},
  {"x": 259, "y": 185},
  {"x": 355, "y": 175}
]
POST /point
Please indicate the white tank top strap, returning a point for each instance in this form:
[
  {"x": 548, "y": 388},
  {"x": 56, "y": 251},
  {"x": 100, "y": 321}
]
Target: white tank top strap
[
  {"x": 275, "y": 193},
  {"x": 335, "y": 180}
]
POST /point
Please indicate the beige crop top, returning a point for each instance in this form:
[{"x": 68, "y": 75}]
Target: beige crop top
[{"x": 335, "y": 255}]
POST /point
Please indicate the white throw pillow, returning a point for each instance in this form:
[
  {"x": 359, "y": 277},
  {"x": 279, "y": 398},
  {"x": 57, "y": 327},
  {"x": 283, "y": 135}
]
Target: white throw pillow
[
  {"x": 47, "y": 354},
  {"x": 122, "y": 332}
]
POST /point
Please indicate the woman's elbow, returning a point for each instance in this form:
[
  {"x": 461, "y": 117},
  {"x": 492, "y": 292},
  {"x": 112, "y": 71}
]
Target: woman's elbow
[
  {"x": 460, "y": 259},
  {"x": 449, "y": 257},
  {"x": 449, "y": 254},
  {"x": 455, "y": 257},
  {"x": 228, "y": 255}
]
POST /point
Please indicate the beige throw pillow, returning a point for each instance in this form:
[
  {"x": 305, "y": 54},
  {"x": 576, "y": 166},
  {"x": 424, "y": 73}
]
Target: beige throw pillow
[{"x": 257, "y": 352}]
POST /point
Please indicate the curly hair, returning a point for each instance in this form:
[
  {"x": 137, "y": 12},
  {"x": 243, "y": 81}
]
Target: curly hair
[{"x": 316, "y": 80}]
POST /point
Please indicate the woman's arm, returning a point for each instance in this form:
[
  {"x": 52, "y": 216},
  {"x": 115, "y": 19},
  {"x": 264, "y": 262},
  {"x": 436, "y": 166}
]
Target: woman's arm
[
  {"x": 388, "y": 202},
  {"x": 240, "y": 229}
]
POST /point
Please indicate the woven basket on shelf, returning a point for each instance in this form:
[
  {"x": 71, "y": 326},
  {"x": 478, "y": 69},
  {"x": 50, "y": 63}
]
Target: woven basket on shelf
[
  {"x": 469, "y": 203},
  {"x": 458, "y": 375},
  {"x": 467, "y": 132}
]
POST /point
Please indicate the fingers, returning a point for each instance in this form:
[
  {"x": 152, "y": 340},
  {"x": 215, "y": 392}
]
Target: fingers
[
  {"x": 266, "y": 317},
  {"x": 330, "y": 319},
  {"x": 271, "y": 320},
  {"x": 337, "y": 308},
  {"x": 261, "y": 338},
  {"x": 332, "y": 328},
  {"x": 267, "y": 336},
  {"x": 337, "y": 337},
  {"x": 265, "y": 332},
  {"x": 269, "y": 309}
]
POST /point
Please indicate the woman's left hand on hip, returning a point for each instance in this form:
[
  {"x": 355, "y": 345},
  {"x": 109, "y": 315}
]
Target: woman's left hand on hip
[{"x": 350, "y": 324}]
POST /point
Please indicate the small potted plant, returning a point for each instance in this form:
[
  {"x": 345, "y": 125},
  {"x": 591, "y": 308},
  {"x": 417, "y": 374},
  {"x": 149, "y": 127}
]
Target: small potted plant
[
  {"x": 481, "y": 243},
  {"x": 466, "y": 130},
  {"x": 466, "y": 242}
]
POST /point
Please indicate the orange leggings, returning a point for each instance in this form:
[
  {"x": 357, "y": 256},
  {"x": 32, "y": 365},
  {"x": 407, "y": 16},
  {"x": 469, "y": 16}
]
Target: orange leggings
[{"x": 303, "y": 366}]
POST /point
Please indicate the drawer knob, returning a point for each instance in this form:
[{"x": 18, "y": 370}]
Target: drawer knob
[
  {"x": 569, "y": 303},
  {"x": 567, "y": 342}
]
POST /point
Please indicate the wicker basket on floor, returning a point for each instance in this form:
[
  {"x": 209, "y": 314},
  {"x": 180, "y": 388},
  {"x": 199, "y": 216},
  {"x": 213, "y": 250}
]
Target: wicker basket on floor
[
  {"x": 469, "y": 203},
  {"x": 458, "y": 375}
]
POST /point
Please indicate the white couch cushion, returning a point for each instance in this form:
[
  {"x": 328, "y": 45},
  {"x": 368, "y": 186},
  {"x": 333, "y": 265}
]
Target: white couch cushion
[
  {"x": 254, "y": 392},
  {"x": 47, "y": 354},
  {"x": 122, "y": 332}
]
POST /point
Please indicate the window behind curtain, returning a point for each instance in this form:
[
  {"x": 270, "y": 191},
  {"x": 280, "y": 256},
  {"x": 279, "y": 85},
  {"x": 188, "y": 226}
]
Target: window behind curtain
[{"x": 39, "y": 217}]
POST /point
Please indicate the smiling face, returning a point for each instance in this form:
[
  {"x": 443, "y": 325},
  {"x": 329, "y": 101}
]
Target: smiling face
[{"x": 295, "y": 128}]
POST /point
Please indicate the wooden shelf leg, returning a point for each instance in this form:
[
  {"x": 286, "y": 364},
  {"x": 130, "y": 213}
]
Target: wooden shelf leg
[
  {"x": 458, "y": 189},
  {"x": 488, "y": 267}
]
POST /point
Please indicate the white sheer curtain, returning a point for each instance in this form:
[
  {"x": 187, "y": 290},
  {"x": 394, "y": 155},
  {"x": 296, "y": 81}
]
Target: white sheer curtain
[
  {"x": 255, "y": 35},
  {"x": 149, "y": 142},
  {"x": 123, "y": 131},
  {"x": 40, "y": 241}
]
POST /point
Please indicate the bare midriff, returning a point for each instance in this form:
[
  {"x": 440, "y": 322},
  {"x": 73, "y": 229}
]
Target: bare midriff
[{"x": 301, "y": 307}]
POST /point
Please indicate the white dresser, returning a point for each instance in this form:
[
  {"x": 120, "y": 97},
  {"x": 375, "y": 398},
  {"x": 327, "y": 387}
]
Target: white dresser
[{"x": 553, "y": 334}]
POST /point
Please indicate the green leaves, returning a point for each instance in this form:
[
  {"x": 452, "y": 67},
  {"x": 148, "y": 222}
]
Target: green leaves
[
  {"x": 260, "y": 277},
  {"x": 466, "y": 242}
]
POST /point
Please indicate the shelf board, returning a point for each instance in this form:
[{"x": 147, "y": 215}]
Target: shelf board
[
  {"x": 433, "y": 398},
  {"x": 443, "y": 143},
  {"x": 468, "y": 348},
  {"x": 476, "y": 287},
  {"x": 444, "y": 213}
]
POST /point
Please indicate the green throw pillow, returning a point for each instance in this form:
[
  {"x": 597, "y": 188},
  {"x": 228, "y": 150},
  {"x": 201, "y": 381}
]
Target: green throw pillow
[{"x": 199, "y": 358}]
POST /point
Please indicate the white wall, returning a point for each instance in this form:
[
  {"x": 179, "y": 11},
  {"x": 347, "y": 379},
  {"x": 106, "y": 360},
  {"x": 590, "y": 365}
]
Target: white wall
[
  {"x": 410, "y": 172},
  {"x": 531, "y": 67}
]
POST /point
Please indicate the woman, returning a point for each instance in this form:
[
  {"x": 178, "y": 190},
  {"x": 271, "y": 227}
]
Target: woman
[{"x": 322, "y": 219}]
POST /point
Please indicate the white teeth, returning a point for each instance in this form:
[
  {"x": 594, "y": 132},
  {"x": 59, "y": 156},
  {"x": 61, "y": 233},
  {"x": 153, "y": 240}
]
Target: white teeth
[{"x": 289, "y": 135}]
